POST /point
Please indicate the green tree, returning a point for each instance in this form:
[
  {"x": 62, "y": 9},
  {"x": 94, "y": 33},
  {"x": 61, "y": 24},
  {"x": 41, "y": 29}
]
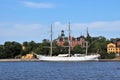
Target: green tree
[
  {"x": 56, "y": 48},
  {"x": 29, "y": 47},
  {"x": 2, "y": 52},
  {"x": 43, "y": 48},
  {"x": 25, "y": 51},
  {"x": 97, "y": 44},
  {"x": 12, "y": 49},
  {"x": 78, "y": 49},
  {"x": 105, "y": 55}
]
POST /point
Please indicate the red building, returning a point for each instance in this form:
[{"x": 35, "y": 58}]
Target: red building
[
  {"x": 62, "y": 40},
  {"x": 118, "y": 43}
]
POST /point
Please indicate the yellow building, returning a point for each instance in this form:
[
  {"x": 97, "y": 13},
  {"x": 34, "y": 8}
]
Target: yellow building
[{"x": 112, "y": 48}]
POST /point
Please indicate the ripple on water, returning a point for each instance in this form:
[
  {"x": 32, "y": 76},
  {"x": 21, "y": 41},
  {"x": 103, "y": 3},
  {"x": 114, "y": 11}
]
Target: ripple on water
[{"x": 59, "y": 70}]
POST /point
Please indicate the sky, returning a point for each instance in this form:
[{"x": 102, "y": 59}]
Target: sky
[{"x": 27, "y": 20}]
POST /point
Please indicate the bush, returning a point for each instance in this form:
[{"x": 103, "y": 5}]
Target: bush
[{"x": 105, "y": 55}]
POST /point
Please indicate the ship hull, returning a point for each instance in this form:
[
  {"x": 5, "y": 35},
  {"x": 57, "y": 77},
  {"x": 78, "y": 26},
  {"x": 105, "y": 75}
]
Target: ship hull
[{"x": 81, "y": 58}]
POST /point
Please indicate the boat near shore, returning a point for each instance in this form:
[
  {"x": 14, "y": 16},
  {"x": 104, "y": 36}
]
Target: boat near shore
[
  {"x": 72, "y": 58},
  {"x": 69, "y": 57}
]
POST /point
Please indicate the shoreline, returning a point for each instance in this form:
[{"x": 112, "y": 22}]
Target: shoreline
[
  {"x": 19, "y": 60},
  {"x": 109, "y": 60},
  {"x": 37, "y": 60}
]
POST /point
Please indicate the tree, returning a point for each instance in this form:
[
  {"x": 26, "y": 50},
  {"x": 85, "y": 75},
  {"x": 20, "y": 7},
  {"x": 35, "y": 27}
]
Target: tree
[
  {"x": 78, "y": 49},
  {"x": 40, "y": 49},
  {"x": 56, "y": 49},
  {"x": 2, "y": 52},
  {"x": 98, "y": 43},
  {"x": 29, "y": 47},
  {"x": 12, "y": 49},
  {"x": 105, "y": 55},
  {"x": 43, "y": 48}
]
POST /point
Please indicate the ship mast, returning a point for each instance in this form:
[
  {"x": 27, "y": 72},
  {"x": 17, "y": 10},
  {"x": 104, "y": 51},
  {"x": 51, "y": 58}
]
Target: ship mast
[
  {"x": 87, "y": 41},
  {"x": 86, "y": 47},
  {"x": 69, "y": 40},
  {"x": 51, "y": 41}
]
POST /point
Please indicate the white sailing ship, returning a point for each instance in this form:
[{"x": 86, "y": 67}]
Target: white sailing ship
[{"x": 68, "y": 57}]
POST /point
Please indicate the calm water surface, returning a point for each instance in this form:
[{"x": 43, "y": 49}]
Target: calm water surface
[{"x": 59, "y": 70}]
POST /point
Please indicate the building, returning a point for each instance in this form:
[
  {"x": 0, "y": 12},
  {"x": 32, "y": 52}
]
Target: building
[
  {"x": 113, "y": 48},
  {"x": 63, "y": 41},
  {"x": 118, "y": 43}
]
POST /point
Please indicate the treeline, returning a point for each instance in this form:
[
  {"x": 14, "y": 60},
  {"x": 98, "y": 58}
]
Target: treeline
[{"x": 15, "y": 49}]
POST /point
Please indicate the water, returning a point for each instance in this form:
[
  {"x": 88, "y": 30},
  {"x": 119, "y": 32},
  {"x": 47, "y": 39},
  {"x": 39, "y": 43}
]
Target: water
[{"x": 59, "y": 70}]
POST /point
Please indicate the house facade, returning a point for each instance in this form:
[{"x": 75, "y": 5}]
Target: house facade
[{"x": 113, "y": 48}]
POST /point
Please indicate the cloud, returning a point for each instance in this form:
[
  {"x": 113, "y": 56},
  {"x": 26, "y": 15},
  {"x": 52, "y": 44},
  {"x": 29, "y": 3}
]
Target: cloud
[
  {"x": 38, "y": 5},
  {"x": 22, "y": 32},
  {"x": 38, "y": 32}
]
